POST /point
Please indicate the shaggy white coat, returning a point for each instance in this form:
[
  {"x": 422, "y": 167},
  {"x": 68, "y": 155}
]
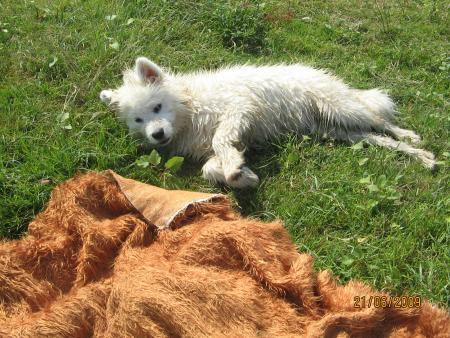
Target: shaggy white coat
[{"x": 216, "y": 115}]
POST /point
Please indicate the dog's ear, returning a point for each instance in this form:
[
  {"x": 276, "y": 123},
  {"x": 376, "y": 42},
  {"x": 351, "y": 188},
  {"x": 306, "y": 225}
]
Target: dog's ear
[
  {"x": 147, "y": 71},
  {"x": 106, "y": 96}
]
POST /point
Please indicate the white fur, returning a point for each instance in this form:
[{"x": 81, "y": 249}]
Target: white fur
[{"x": 216, "y": 115}]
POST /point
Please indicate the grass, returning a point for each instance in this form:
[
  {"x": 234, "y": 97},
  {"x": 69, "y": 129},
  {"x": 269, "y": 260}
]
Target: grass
[{"x": 364, "y": 213}]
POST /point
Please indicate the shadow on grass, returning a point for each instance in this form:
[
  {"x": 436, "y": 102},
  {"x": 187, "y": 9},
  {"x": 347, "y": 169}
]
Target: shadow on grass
[{"x": 265, "y": 163}]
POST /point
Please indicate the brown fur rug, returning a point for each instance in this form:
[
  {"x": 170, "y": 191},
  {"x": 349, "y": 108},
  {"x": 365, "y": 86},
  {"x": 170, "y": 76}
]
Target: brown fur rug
[{"x": 112, "y": 257}]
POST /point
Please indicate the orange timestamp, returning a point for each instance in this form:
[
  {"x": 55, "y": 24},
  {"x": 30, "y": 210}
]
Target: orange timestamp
[{"x": 387, "y": 302}]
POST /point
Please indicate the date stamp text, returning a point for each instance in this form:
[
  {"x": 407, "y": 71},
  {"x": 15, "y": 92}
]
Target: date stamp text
[{"x": 387, "y": 302}]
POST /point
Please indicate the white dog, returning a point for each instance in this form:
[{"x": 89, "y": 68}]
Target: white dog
[{"x": 217, "y": 115}]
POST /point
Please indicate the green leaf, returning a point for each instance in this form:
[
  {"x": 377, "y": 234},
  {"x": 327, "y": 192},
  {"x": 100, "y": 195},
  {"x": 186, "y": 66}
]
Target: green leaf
[
  {"x": 51, "y": 64},
  {"x": 394, "y": 196},
  {"x": 63, "y": 117},
  {"x": 358, "y": 146},
  {"x": 398, "y": 177},
  {"x": 373, "y": 187},
  {"x": 382, "y": 181},
  {"x": 114, "y": 45},
  {"x": 347, "y": 261},
  {"x": 292, "y": 158},
  {"x": 154, "y": 158},
  {"x": 142, "y": 162},
  {"x": 371, "y": 204},
  {"x": 365, "y": 180},
  {"x": 363, "y": 161},
  {"x": 130, "y": 21},
  {"x": 174, "y": 164}
]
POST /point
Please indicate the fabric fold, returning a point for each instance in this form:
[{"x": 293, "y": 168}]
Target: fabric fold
[{"x": 163, "y": 207}]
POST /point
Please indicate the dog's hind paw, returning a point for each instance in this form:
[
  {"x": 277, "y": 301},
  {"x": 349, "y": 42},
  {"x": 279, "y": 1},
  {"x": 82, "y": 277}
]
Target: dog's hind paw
[
  {"x": 242, "y": 178},
  {"x": 409, "y": 135},
  {"x": 428, "y": 159},
  {"x": 414, "y": 138}
]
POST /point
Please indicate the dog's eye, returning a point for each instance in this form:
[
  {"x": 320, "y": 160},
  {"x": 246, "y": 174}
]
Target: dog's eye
[
  {"x": 138, "y": 120},
  {"x": 157, "y": 108}
]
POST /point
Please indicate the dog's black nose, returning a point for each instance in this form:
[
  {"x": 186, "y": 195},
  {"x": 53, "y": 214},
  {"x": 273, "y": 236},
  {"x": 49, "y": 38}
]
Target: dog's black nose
[{"x": 158, "y": 135}]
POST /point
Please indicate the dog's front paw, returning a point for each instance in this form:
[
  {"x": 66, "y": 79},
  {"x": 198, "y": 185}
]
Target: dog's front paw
[
  {"x": 213, "y": 172},
  {"x": 242, "y": 178}
]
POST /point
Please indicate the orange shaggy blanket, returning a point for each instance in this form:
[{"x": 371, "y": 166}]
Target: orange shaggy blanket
[{"x": 112, "y": 257}]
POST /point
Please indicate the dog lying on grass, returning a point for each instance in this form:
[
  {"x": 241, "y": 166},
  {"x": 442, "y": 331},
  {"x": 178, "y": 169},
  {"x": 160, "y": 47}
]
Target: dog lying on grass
[{"x": 216, "y": 115}]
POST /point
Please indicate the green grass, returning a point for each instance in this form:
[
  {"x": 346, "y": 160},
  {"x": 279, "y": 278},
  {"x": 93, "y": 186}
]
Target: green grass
[{"x": 56, "y": 56}]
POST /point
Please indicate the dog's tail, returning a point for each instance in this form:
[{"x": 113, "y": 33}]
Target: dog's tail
[
  {"x": 374, "y": 111},
  {"x": 349, "y": 109},
  {"x": 364, "y": 110},
  {"x": 378, "y": 103},
  {"x": 368, "y": 114}
]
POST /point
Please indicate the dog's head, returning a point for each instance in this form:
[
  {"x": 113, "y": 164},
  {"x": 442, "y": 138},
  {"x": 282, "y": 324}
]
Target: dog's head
[{"x": 146, "y": 102}]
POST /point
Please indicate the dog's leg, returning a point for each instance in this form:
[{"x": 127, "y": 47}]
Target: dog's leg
[
  {"x": 212, "y": 170},
  {"x": 236, "y": 174},
  {"x": 402, "y": 134},
  {"x": 426, "y": 157}
]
